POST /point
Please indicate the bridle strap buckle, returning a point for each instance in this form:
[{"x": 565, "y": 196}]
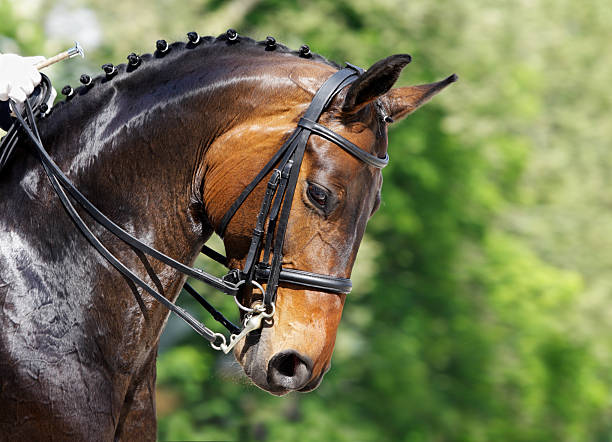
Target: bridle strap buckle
[{"x": 234, "y": 276}]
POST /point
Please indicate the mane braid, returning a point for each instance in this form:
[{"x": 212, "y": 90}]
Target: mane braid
[{"x": 124, "y": 69}]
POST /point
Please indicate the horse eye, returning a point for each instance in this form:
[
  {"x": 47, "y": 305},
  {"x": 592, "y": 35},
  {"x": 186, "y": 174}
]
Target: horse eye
[{"x": 317, "y": 195}]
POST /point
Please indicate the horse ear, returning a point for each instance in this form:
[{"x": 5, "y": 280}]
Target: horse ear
[
  {"x": 375, "y": 82},
  {"x": 402, "y": 101}
]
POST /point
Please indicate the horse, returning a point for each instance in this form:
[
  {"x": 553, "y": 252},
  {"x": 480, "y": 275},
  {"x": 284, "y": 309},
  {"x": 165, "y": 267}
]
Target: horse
[{"x": 163, "y": 146}]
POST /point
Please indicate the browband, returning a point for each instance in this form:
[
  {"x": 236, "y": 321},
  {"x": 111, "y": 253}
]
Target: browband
[{"x": 345, "y": 144}]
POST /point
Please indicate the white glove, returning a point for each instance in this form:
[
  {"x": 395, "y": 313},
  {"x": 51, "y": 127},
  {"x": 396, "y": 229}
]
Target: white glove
[{"x": 19, "y": 77}]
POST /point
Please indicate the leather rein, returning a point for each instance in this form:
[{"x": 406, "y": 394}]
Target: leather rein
[{"x": 275, "y": 210}]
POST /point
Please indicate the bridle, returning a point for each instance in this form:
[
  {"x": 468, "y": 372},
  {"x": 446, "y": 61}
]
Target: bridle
[{"x": 275, "y": 210}]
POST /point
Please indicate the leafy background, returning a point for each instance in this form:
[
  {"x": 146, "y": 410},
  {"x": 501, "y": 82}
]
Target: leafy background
[{"x": 483, "y": 293}]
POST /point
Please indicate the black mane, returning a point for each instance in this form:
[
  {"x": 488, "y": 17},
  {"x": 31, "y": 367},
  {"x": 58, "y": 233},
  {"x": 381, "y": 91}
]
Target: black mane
[{"x": 242, "y": 44}]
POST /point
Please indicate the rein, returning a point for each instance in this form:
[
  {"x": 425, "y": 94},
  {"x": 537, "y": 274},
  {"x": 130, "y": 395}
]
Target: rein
[{"x": 275, "y": 210}]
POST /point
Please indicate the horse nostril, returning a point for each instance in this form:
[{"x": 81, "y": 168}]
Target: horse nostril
[{"x": 289, "y": 370}]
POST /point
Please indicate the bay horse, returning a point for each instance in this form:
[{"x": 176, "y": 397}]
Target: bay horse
[{"x": 163, "y": 147}]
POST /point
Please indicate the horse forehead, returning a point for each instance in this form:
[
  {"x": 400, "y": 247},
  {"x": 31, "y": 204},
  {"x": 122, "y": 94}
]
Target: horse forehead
[{"x": 330, "y": 158}]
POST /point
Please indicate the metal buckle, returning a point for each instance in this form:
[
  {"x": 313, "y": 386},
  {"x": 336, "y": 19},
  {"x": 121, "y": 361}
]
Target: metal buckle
[{"x": 233, "y": 277}]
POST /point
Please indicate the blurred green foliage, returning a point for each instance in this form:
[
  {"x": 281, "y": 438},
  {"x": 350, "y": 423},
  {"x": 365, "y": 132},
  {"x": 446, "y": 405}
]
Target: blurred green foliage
[{"x": 483, "y": 297}]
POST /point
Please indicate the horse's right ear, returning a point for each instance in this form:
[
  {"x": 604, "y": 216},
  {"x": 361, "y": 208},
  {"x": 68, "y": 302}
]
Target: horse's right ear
[{"x": 376, "y": 81}]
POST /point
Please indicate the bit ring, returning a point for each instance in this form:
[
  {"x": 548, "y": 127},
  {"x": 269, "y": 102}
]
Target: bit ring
[{"x": 247, "y": 309}]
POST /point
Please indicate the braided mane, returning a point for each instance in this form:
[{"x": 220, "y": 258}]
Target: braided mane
[{"x": 223, "y": 42}]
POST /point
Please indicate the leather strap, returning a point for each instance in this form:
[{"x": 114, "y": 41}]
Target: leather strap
[
  {"x": 280, "y": 194},
  {"x": 217, "y": 315},
  {"x": 277, "y": 259},
  {"x": 318, "y": 281},
  {"x": 258, "y": 231},
  {"x": 353, "y": 149}
]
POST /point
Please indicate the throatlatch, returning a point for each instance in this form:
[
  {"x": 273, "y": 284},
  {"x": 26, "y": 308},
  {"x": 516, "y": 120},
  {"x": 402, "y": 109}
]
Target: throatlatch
[{"x": 268, "y": 234}]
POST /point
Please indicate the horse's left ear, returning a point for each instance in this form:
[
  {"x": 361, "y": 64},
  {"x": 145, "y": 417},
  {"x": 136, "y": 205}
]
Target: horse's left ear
[
  {"x": 376, "y": 81},
  {"x": 402, "y": 101}
]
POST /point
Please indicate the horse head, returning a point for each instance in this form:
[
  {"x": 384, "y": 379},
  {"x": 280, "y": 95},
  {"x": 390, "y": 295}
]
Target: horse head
[{"x": 335, "y": 196}]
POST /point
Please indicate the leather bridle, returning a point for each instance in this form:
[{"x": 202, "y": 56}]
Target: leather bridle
[{"x": 268, "y": 234}]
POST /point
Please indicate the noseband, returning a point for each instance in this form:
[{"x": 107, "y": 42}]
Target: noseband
[{"x": 275, "y": 210}]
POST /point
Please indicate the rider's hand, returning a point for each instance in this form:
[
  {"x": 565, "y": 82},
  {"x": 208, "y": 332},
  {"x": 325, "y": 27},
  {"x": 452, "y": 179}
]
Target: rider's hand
[{"x": 19, "y": 77}]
